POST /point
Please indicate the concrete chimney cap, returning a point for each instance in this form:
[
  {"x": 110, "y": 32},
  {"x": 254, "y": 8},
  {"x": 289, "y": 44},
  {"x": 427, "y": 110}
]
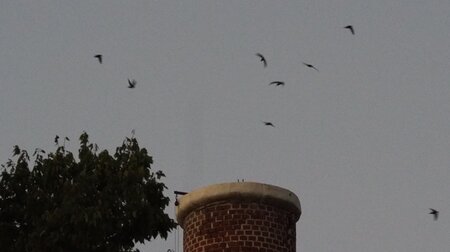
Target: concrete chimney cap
[{"x": 245, "y": 191}]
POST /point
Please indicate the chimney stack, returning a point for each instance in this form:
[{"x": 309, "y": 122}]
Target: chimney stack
[{"x": 239, "y": 217}]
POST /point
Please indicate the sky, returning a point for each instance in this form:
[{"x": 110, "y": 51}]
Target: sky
[{"x": 363, "y": 142}]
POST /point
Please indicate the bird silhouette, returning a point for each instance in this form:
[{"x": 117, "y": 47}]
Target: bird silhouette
[
  {"x": 277, "y": 83},
  {"x": 56, "y": 139},
  {"x": 350, "y": 28},
  {"x": 263, "y": 60},
  {"x": 99, "y": 57},
  {"x": 131, "y": 83},
  {"x": 310, "y": 66},
  {"x": 268, "y": 124},
  {"x": 435, "y": 213}
]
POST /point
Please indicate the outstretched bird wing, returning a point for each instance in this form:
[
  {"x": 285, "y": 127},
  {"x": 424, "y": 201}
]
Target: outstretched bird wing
[
  {"x": 268, "y": 124},
  {"x": 350, "y": 28},
  {"x": 131, "y": 83},
  {"x": 310, "y": 66},
  {"x": 278, "y": 83},
  {"x": 99, "y": 57},
  {"x": 263, "y": 60},
  {"x": 435, "y": 213}
]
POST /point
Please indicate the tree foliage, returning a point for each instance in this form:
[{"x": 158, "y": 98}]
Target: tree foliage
[{"x": 99, "y": 202}]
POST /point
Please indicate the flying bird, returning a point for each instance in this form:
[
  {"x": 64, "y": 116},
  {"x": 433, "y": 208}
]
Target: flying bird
[
  {"x": 269, "y": 124},
  {"x": 262, "y": 59},
  {"x": 350, "y": 28},
  {"x": 310, "y": 66},
  {"x": 99, "y": 57},
  {"x": 277, "y": 83},
  {"x": 131, "y": 83},
  {"x": 435, "y": 213}
]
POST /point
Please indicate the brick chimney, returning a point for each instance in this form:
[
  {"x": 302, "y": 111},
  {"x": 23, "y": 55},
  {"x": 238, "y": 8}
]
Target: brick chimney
[{"x": 239, "y": 217}]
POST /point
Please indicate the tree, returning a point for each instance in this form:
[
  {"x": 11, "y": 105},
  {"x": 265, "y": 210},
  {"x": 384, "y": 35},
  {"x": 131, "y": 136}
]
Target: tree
[{"x": 96, "y": 203}]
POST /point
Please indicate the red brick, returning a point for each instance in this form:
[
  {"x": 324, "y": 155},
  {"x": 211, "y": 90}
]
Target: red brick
[{"x": 239, "y": 227}]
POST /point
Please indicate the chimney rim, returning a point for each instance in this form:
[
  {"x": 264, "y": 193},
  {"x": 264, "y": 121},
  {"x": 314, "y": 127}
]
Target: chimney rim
[{"x": 243, "y": 191}]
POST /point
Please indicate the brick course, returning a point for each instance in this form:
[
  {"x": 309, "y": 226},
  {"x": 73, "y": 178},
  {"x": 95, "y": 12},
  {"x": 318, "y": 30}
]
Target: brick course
[{"x": 241, "y": 226}]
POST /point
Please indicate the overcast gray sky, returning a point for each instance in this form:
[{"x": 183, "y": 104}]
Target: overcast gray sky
[{"x": 364, "y": 142}]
